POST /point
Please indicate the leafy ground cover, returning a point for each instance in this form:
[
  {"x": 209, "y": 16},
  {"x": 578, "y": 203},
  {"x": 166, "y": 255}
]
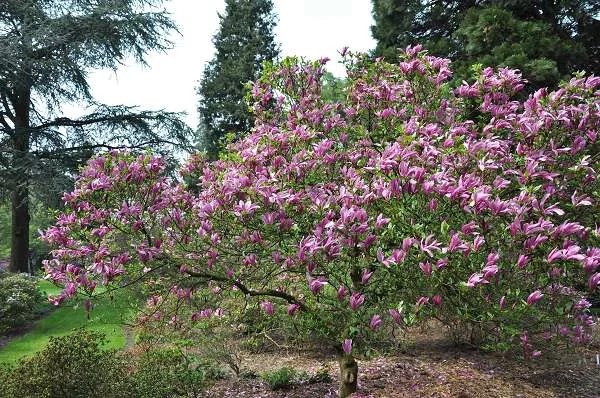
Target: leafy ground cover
[{"x": 109, "y": 314}]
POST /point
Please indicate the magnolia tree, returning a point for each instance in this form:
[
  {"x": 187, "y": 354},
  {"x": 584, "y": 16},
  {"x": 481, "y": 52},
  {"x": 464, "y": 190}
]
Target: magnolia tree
[{"x": 408, "y": 201}]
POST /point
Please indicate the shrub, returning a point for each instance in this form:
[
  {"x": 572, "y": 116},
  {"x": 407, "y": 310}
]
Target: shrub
[
  {"x": 284, "y": 377},
  {"x": 165, "y": 373},
  {"x": 19, "y": 299},
  {"x": 73, "y": 366},
  {"x": 76, "y": 366}
]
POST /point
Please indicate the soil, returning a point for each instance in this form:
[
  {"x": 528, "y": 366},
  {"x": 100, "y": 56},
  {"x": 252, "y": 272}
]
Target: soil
[{"x": 430, "y": 367}]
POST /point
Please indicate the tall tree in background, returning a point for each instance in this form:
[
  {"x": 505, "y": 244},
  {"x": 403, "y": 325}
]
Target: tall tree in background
[
  {"x": 245, "y": 39},
  {"x": 546, "y": 40},
  {"x": 47, "y": 48}
]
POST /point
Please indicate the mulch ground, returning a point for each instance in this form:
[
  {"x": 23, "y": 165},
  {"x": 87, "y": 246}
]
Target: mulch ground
[{"x": 430, "y": 369}]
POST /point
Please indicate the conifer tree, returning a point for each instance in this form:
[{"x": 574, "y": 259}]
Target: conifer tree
[
  {"x": 47, "y": 48},
  {"x": 244, "y": 41},
  {"x": 546, "y": 40}
]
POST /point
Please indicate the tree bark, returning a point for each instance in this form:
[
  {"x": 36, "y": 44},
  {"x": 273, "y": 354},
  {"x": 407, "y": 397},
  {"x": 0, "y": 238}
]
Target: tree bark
[
  {"x": 348, "y": 375},
  {"x": 19, "y": 250}
]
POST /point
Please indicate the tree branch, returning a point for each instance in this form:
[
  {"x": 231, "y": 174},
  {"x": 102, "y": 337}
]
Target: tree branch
[
  {"x": 60, "y": 154},
  {"x": 248, "y": 292},
  {"x": 67, "y": 122}
]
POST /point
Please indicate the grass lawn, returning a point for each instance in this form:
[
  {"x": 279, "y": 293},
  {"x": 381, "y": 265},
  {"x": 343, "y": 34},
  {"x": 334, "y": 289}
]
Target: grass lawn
[{"x": 107, "y": 316}]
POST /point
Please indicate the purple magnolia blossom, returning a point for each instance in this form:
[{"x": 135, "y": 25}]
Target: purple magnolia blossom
[
  {"x": 267, "y": 306},
  {"x": 436, "y": 300},
  {"x": 522, "y": 261},
  {"x": 396, "y": 316},
  {"x": 316, "y": 285},
  {"x": 426, "y": 268},
  {"x": 381, "y": 221},
  {"x": 442, "y": 263},
  {"x": 375, "y": 322},
  {"x": 534, "y": 297},
  {"x": 347, "y": 346},
  {"x": 594, "y": 281},
  {"x": 365, "y": 276},
  {"x": 356, "y": 300},
  {"x": 342, "y": 292},
  {"x": 489, "y": 271},
  {"x": 421, "y": 302},
  {"x": 292, "y": 308},
  {"x": 475, "y": 280}
]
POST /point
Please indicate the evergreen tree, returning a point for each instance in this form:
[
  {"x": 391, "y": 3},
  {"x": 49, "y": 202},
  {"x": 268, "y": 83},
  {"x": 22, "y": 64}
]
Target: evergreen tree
[
  {"x": 47, "y": 48},
  {"x": 546, "y": 40},
  {"x": 244, "y": 41}
]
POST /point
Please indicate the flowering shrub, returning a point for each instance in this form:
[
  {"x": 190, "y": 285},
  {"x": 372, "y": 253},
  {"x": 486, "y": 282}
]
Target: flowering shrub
[
  {"x": 19, "y": 301},
  {"x": 409, "y": 200}
]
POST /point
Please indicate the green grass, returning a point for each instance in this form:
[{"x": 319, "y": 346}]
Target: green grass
[{"x": 107, "y": 316}]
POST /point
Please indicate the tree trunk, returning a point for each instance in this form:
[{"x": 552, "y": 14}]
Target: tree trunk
[
  {"x": 19, "y": 250},
  {"x": 348, "y": 376}
]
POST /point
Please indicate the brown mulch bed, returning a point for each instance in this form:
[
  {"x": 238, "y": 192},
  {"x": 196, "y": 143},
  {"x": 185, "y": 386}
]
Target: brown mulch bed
[{"x": 431, "y": 367}]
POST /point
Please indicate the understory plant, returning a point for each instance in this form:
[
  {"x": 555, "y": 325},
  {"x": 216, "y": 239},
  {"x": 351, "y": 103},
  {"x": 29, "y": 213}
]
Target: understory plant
[
  {"x": 20, "y": 300},
  {"x": 410, "y": 199}
]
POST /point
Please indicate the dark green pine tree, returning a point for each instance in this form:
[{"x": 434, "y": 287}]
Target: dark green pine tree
[
  {"x": 546, "y": 40},
  {"x": 244, "y": 41},
  {"x": 401, "y": 23},
  {"x": 47, "y": 48}
]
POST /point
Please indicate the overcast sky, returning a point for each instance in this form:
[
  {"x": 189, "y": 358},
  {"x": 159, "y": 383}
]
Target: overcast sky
[{"x": 310, "y": 28}]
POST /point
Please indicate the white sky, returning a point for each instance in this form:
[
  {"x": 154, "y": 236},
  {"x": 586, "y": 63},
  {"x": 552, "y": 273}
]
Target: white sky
[{"x": 309, "y": 28}]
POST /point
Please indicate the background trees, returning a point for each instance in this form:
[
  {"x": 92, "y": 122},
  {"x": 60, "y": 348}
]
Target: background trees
[
  {"x": 244, "y": 40},
  {"x": 546, "y": 40},
  {"x": 46, "y": 50}
]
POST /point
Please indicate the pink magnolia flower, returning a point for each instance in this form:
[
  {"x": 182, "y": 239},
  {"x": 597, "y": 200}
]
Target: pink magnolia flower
[
  {"x": 442, "y": 263},
  {"x": 428, "y": 244},
  {"x": 381, "y": 221},
  {"x": 347, "y": 346},
  {"x": 365, "y": 276},
  {"x": 582, "y": 200},
  {"x": 594, "y": 281},
  {"x": 502, "y": 302},
  {"x": 316, "y": 285},
  {"x": 534, "y": 297},
  {"x": 522, "y": 261},
  {"x": 375, "y": 322},
  {"x": 292, "y": 308},
  {"x": 436, "y": 300},
  {"x": 456, "y": 244},
  {"x": 475, "y": 280},
  {"x": 244, "y": 208},
  {"x": 406, "y": 244},
  {"x": 267, "y": 306},
  {"x": 356, "y": 300},
  {"x": 342, "y": 292},
  {"x": 421, "y": 302},
  {"x": 426, "y": 268},
  {"x": 396, "y": 316},
  {"x": 478, "y": 242}
]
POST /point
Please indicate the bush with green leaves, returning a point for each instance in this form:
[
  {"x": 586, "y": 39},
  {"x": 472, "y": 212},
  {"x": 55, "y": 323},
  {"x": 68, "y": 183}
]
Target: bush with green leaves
[
  {"x": 76, "y": 366},
  {"x": 19, "y": 299},
  {"x": 284, "y": 377},
  {"x": 73, "y": 366},
  {"x": 171, "y": 373}
]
